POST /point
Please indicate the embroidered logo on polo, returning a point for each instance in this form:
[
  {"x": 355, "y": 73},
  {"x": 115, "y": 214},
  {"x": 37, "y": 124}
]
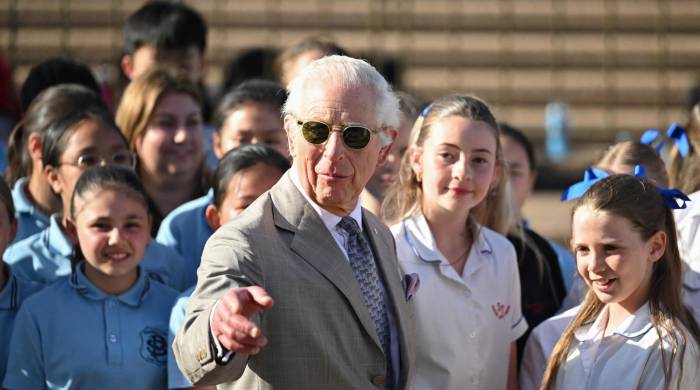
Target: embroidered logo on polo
[
  {"x": 154, "y": 346},
  {"x": 500, "y": 310}
]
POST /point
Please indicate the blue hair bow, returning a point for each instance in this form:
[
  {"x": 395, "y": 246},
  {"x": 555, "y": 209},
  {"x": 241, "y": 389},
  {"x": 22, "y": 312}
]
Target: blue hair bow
[
  {"x": 672, "y": 198},
  {"x": 426, "y": 110},
  {"x": 674, "y": 132},
  {"x": 590, "y": 177}
]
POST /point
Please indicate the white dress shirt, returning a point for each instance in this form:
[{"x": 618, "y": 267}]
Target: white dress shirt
[
  {"x": 465, "y": 324},
  {"x": 629, "y": 358}
]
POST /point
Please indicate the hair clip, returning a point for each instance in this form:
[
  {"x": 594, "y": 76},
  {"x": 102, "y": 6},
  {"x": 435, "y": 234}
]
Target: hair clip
[
  {"x": 673, "y": 198},
  {"x": 680, "y": 138},
  {"x": 639, "y": 171},
  {"x": 650, "y": 136},
  {"x": 426, "y": 110},
  {"x": 590, "y": 177}
]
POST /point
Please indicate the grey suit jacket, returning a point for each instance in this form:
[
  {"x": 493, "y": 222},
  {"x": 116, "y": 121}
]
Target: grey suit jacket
[{"x": 320, "y": 335}]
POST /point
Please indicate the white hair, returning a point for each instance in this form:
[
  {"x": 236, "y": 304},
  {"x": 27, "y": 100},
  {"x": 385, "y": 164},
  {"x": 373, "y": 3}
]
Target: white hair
[{"x": 347, "y": 73}]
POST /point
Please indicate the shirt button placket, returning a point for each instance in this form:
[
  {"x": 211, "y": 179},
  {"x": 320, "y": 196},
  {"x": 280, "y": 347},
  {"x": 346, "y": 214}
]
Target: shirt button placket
[{"x": 114, "y": 342}]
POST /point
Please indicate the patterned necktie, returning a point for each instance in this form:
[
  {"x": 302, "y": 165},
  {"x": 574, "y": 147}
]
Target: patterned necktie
[{"x": 365, "y": 270}]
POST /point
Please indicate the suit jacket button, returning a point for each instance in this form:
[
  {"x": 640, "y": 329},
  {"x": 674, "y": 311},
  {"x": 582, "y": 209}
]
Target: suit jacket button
[{"x": 379, "y": 380}]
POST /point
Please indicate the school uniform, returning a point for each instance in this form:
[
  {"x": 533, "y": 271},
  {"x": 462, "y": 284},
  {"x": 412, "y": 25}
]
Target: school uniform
[
  {"x": 46, "y": 256},
  {"x": 629, "y": 358},
  {"x": 687, "y": 225},
  {"x": 72, "y": 335},
  {"x": 30, "y": 220},
  {"x": 177, "y": 318},
  {"x": 186, "y": 230},
  {"x": 12, "y": 294},
  {"x": 539, "y": 348},
  {"x": 465, "y": 324},
  {"x": 691, "y": 292}
]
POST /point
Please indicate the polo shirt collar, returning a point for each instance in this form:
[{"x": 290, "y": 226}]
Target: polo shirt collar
[
  {"x": 131, "y": 297},
  {"x": 634, "y": 326},
  {"x": 329, "y": 219},
  {"x": 56, "y": 239},
  {"x": 10, "y": 294},
  {"x": 420, "y": 238},
  {"x": 22, "y": 204}
]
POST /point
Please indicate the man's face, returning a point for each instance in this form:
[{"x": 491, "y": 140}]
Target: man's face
[
  {"x": 189, "y": 61},
  {"x": 387, "y": 174},
  {"x": 333, "y": 174}
]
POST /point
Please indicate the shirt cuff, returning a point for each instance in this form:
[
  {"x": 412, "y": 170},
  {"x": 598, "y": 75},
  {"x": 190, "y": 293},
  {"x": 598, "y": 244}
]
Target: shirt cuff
[{"x": 221, "y": 355}]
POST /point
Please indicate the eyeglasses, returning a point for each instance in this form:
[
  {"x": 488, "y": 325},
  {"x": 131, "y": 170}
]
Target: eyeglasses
[
  {"x": 85, "y": 161},
  {"x": 354, "y": 136}
]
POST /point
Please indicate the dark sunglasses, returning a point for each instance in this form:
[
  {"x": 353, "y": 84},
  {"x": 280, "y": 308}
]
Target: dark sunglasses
[{"x": 354, "y": 136}]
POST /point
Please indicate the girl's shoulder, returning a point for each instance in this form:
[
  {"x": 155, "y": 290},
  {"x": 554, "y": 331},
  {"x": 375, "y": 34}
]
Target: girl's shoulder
[
  {"x": 53, "y": 296},
  {"x": 494, "y": 242}
]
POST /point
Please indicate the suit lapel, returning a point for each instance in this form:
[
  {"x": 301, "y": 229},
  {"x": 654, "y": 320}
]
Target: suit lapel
[{"x": 315, "y": 245}]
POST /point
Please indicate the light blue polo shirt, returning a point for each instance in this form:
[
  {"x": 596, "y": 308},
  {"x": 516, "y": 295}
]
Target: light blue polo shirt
[
  {"x": 177, "y": 317},
  {"x": 12, "y": 294},
  {"x": 30, "y": 220},
  {"x": 46, "y": 256},
  {"x": 72, "y": 335},
  {"x": 186, "y": 231}
]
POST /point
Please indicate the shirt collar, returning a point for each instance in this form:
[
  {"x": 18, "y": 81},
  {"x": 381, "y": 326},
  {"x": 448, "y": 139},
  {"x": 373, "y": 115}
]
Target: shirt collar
[
  {"x": 420, "y": 239},
  {"x": 22, "y": 204},
  {"x": 633, "y": 326},
  {"x": 9, "y": 294},
  {"x": 56, "y": 240},
  {"x": 131, "y": 297},
  {"x": 329, "y": 219}
]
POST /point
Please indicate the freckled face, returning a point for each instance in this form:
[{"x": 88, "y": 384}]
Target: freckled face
[{"x": 333, "y": 174}]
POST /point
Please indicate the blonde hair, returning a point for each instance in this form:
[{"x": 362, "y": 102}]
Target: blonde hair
[
  {"x": 141, "y": 98},
  {"x": 633, "y": 153},
  {"x": 404, "y": 197},
  {"x": 638, "y": 201},
  {"x": 684, "y": 172}
]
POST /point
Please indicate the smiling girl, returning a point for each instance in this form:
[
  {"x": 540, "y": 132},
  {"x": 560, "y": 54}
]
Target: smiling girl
[
  {"x": 632, "y": 330},
  {"x": 106, "y": 326},
  {"x": 468, "y": 307},
  {"x": 82, "y": 139}
]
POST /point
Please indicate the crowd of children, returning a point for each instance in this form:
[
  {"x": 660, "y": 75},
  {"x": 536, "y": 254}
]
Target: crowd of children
[{"x": 104, "y": 219}]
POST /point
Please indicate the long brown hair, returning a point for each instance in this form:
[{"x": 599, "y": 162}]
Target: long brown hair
[
  {"x": 404, "y": 197},
  {"x": 638, "y": 201},
  {"x": 684, "y": 172}
]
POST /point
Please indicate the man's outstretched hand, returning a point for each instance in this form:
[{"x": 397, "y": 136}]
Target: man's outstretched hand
[{"x": 231, "y": 323}]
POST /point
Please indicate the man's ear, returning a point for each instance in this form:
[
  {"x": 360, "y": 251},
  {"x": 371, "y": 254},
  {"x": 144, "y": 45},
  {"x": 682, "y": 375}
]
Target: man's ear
[
  {"x": 212, "y": 216},
  {"x": 35, "y": 147},
  {"x": 657, "y": 246},
  {"x": 384, "y": 151},
  {"x": 71, "y": 231},
  {"x": 127, "y": 64},
  {"x": 54, "y": 179},
  {"x": 289, "y": 128}
]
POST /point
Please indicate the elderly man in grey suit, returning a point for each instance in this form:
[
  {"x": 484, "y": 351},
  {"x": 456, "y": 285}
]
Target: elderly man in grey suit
[{"x": 303, "y": 290}]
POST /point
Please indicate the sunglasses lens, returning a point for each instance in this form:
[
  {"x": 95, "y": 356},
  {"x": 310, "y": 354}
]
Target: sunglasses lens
[
  {"x": 315, "y": 132},
  {"x": 356, "y": 137}
]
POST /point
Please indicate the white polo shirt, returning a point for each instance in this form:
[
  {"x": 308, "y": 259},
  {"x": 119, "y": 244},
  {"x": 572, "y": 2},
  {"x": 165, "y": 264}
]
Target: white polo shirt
[
  {"x": 465, "y": 324},
  {"x": 539, "y": 347},
  {"x": 687, "y": 224},
  {"x": 629, "y": 358}
]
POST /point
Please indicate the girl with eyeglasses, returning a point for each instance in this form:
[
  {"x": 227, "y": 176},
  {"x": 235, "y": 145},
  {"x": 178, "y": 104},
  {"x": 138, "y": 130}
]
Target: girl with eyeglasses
[
  {"x": 106, "y": 326},
  {"x": 82, "y": 139},
  {"x": 468, "y": 312},
  {"x": 32, "y": 195}
]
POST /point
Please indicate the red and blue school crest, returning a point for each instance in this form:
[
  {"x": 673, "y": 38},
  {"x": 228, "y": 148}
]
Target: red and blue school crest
[{"x": 154, "y": 346}]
